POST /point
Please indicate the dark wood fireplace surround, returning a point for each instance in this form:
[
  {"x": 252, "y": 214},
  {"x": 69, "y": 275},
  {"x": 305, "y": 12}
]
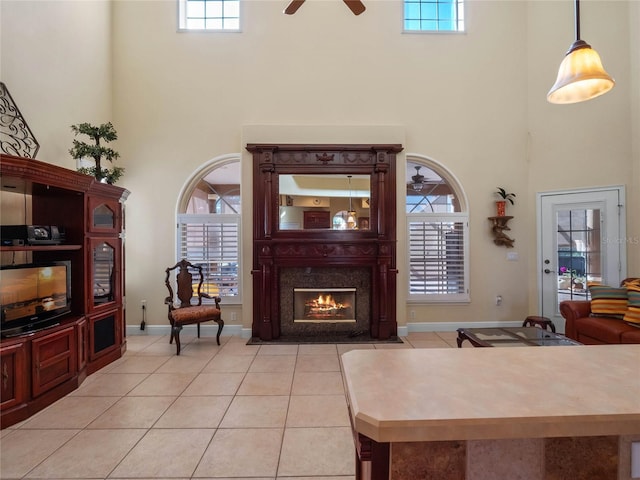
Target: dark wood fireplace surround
[{"x": 275, "y": 249}]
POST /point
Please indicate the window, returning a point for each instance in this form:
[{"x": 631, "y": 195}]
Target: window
[
  {"x": 437, "y": 233},
  {"x": 209, "y": 229},
  {"x": 220, "y": 15},
  {"x": 434, "y": 15}
]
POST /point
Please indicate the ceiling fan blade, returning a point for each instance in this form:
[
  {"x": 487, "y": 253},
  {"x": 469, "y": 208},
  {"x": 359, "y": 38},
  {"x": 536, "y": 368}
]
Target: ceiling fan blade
[
  {"x": 356, "y": 6},
  {"x": 293, "y": 7}
]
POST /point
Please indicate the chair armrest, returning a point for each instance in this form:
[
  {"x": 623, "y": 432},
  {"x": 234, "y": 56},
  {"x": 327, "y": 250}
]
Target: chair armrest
[
  {"x": 206, "y": 295},
  {"x": 571, "y": 310}
]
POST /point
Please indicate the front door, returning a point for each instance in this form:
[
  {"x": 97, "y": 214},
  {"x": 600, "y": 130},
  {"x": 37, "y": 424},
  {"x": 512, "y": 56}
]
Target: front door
[{"x": 582, "y": 237}]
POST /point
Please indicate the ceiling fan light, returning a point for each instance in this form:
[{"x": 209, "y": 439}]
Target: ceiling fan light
[
  {"x": 581, "y": 76},
  {"x": 417, "y": 180}
]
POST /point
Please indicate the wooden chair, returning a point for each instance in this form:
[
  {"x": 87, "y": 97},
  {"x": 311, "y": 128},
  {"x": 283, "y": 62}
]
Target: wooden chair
[{"x": 181, "y": 311}]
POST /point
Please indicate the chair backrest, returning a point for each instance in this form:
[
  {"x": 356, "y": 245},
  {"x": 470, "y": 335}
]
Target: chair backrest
[{"x": 184, "y": 282}]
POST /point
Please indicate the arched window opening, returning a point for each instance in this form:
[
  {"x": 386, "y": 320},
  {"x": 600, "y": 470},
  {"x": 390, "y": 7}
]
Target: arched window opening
[
  {"x": 437, "y": 233},
  {"x": 209, "y": 226}
]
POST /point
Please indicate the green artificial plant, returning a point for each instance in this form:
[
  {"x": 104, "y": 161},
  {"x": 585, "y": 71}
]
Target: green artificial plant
[
  {"x": 106, "y": 133},
  {"x": 502, "y": 193}
]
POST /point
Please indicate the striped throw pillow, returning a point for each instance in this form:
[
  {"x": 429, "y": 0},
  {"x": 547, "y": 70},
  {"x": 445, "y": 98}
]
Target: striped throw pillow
[
  {"x": 633, "y": 307},
  {"x": 608, "y": 301},
  {"x": 633, "y": 285}
]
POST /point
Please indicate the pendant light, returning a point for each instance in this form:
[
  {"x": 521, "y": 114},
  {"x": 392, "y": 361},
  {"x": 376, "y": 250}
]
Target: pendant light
[
  {"x": 351, "y": 214},
  {"x": 581, "y": 75}
]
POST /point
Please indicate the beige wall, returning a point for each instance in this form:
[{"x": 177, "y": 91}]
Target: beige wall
[
  {"x": 55, "y": 59},
  {"x": 473, "y": 102}
]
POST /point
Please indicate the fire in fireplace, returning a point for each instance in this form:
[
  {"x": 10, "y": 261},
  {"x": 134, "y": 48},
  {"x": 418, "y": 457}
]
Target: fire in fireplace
[{"x": 313, "y": 305}]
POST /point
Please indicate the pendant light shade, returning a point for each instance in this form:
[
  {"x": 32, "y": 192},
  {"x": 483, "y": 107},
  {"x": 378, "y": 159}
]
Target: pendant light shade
[{"x": 581, "y": 75}]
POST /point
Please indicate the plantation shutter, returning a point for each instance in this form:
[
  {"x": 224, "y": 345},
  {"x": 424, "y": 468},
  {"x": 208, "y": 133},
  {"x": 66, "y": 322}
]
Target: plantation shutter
[
  {"x": 213, "y": 241},
  {"x": 437, "y": 250}
]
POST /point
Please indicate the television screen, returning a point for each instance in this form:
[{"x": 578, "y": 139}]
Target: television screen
[{"x": 32, "y": 295}]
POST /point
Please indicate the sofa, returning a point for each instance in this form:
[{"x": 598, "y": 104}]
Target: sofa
[{"x": 613, "y": 322}]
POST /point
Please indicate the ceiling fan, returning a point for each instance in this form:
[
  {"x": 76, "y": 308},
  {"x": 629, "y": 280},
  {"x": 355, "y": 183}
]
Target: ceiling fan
[
  {"x": 417, "y": 181},
  {"x": 356, "y": 6}
]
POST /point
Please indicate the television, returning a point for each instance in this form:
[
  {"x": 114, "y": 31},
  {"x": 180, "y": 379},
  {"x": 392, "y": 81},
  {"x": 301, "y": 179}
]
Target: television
[{"x": 33, "y": 296}]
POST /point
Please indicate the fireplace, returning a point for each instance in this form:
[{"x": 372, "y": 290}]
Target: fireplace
[
  {"x": 356, "y": 265},
  {"x": 324, "y": 305},
  {"x": 299, "y": 285}
]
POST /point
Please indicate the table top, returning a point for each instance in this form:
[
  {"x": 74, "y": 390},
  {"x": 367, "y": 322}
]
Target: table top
[
  {"x": 515, "y": 337},
  {"x": 409, "y": 395}
]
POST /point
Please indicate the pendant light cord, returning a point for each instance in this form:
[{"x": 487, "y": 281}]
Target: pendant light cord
[{"x": 577, "y": 18}]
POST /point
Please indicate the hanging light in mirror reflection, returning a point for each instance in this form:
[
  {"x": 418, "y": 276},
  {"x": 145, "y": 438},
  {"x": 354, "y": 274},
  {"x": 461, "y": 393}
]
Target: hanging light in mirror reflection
[{"x": 351, "y": 214}]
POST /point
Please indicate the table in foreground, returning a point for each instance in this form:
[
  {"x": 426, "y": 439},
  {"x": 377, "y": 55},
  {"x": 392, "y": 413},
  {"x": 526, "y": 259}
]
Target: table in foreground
[{"x": 489, "y": 412}]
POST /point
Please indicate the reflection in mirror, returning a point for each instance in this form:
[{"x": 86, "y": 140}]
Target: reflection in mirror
[{"x": 344, "y": 197}]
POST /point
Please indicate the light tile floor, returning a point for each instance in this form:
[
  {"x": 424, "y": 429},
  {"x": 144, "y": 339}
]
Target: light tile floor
[{"x": 231, "y": 411}]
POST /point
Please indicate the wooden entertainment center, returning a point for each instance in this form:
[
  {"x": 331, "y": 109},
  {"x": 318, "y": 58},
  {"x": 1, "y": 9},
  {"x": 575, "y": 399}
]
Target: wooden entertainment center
[{"x": 39, "y": 367}]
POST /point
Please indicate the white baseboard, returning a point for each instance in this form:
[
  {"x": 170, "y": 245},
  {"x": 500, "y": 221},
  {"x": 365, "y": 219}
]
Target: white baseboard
[
  {"x": 238, "y": 330},
  {"x": 205, "y": 330},
  {"x": 452, "y": 326}
]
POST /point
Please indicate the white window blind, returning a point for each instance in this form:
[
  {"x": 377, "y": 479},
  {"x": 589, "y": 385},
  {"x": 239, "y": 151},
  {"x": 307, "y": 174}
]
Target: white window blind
[
  {"x": 213, "y": 241},
  {"x": 437, "y": 252}
]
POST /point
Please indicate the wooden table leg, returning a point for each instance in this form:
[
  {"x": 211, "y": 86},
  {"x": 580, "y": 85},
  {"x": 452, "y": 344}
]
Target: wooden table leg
[{"x": 542, "y": 322}]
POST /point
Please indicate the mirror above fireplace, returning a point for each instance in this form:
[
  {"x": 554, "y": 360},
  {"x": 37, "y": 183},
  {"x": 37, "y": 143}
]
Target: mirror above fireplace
[{"x": 326, "y": 201}]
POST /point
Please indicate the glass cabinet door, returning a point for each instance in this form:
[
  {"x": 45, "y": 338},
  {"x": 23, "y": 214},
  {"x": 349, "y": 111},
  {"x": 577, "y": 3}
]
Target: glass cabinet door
[
  {"x": 105, "y": 216},
  {"x": 104, "y": 263}
]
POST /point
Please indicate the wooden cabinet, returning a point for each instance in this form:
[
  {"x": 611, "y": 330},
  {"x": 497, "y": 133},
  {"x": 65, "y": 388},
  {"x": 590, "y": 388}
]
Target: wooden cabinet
[
  {"x": 53, "y": 359},
  {"x": 40, "y": 367},
  {"x": 12, "y": 369},
  {"x": 317, "y": 219}
]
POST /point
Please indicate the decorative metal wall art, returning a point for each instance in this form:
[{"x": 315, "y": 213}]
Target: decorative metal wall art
[{"x": 16, "y": 137}]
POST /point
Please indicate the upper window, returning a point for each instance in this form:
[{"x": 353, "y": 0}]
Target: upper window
[
  {"x": 434, "y": 15},
  {"x": 437, "y": 235},
  {"x": 220, "y": 15}
]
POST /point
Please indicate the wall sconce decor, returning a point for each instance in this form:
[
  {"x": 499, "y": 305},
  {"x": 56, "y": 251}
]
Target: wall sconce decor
[{"x": 16, "y": 137}]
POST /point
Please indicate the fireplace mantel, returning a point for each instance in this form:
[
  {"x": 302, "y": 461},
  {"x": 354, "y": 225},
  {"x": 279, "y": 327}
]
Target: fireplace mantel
[{"x": 275, "y": 249}]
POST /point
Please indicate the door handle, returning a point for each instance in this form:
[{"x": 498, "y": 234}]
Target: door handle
[{"x": 547, "y": 271}]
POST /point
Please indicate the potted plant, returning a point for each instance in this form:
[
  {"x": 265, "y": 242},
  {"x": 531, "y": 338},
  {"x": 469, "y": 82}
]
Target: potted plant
[
  {"x": 501, "y": 205},
  {"x": 105, "y": 132}
]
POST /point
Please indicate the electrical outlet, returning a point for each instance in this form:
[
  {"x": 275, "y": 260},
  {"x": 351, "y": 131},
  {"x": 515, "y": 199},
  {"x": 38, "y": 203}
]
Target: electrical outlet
[
  {"x": 143, "y": 303},
  {"x": 412, "y": 314},
  {"x": 498, "y": 300},
  {"x": 233, "y": 316}
]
